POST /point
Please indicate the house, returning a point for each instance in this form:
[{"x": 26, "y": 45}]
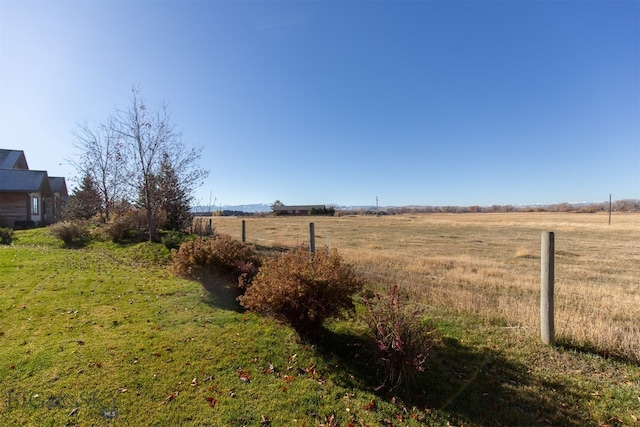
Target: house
[
  {"x": 28, "y": 197},
  {"x": 59, "y": 197},
  {"x": 13, "y": 159},
  {"x": 300, "y": 210}
]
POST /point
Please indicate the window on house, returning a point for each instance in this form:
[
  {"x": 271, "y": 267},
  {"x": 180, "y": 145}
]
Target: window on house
[{"x": 36, "y": 205}]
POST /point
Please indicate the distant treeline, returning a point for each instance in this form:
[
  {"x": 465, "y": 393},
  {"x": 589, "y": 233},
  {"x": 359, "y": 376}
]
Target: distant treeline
[{"x": 626, "y": 205}]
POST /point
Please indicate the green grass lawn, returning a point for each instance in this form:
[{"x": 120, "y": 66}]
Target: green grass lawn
[{"x": 106, "y": 335}]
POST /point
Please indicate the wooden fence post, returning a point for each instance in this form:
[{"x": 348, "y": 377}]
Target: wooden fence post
[
  {"x": 244, "y": 233},
  {"x": 312, "y": 238},
  {"x": 546, "y": 287}
]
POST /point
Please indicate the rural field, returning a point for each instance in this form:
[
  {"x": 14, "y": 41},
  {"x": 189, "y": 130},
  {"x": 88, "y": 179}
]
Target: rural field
[
  {"x": 489, "y": 264},
  {"x": 106, "y": 334}
]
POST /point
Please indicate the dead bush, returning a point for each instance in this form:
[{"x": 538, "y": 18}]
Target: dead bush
[
  {"x": 130, "y": 225},
  {"x": 220, "y": 254},
  {"x": 303, "y": 289},
  {"x": 72, "y": 233}
]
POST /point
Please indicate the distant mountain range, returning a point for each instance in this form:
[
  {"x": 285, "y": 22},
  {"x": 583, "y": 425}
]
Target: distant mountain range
[
  {"x": 622, "y": 205},
  {"x": 255, "y": 208}
]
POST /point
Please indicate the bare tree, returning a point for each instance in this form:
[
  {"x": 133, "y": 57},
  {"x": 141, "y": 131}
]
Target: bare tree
[
  {"x": 102, "y": 159},
  {"x": 127, "y": 151},
  {"x": 150, "y": 138}
]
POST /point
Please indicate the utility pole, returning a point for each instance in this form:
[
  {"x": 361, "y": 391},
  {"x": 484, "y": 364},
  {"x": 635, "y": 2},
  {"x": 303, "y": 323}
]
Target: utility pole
[{"x": 377, "y": 212}]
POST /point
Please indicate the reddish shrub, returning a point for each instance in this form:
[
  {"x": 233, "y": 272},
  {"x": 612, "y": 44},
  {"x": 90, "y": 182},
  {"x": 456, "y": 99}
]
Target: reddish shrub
[
  {"x": 220, "y": 254},
  {"x": 303, "y": 289},
  {"x": 403, "y": 340}
]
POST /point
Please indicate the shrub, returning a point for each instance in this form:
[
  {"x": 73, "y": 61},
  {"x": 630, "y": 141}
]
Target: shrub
[
  {"x": 403, "y": 341},
  {"x": 131, "y": 225},
  {"x": 173, "y": 239},
  {"x": 200, "y": 226},
  {"x": 6, "y": 235},
  {"x": 303, "y": 289},
  {"x": 72, "y": 233},
  {"x": 221, "y": 253}
]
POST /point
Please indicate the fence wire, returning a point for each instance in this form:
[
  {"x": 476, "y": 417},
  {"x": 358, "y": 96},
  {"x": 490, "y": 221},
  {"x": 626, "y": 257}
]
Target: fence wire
[{"x": 496, "y": 300}]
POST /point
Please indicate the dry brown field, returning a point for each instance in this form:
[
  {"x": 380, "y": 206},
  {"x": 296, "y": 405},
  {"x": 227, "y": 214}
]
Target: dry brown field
[{"x": 489, "y": 265}]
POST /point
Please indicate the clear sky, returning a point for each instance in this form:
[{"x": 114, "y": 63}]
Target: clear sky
[{"x": 337, "y": 102}]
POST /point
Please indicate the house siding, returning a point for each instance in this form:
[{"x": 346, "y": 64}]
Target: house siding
[
  {"x": 14, "y": 206},
  {"x": 53, "y": 208}
]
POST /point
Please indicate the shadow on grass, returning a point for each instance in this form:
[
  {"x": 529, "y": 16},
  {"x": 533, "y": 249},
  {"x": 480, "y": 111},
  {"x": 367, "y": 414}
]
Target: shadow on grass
[
  {"x": 462, "y": 383},
  {"x": 223, "y": 291},
  {"x": 593, "y": 351},
  {"x": 76, "y": 244},
  {"x": 271, "y": 251}
]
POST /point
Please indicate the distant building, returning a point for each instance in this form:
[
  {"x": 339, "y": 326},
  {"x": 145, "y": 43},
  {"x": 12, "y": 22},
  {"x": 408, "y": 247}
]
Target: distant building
[
  {"x": 28, "y": 198},
  {"x": 303, "y": 210}
]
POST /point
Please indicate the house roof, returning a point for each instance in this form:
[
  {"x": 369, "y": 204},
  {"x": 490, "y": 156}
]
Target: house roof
[
  {"x": 13, "y": 159},
  {"x": 24, "y": 181},
  {"x": 58, "y": 185}
]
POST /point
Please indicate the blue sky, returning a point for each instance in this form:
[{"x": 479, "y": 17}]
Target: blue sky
[{"x": 416, "y": 102}]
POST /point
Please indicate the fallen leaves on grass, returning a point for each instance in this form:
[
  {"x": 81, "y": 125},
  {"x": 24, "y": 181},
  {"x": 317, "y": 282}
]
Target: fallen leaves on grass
[
  {"x": 244, "y": 375},
  {"x": 329, "y": 421},
  {"x": 612, "y": 422},
  {"x": 171, "y": 397},
  {"x": 212, "y": 401}
]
